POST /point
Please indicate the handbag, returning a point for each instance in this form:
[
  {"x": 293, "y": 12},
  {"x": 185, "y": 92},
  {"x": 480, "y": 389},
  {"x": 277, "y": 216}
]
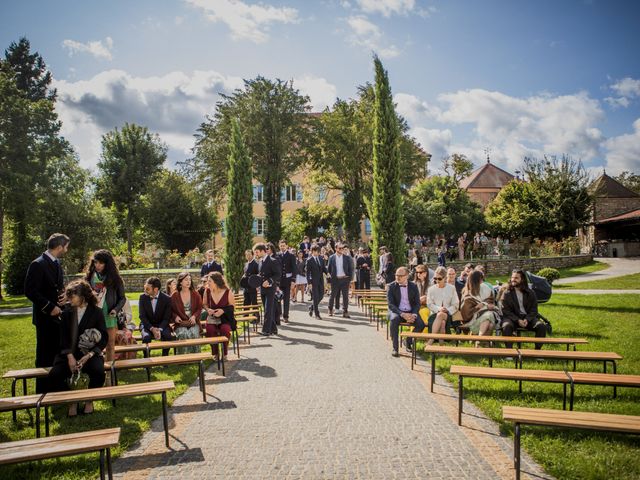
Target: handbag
[
  {"x": 78, "y": 380},
  {"x": 125, "y": 315}
]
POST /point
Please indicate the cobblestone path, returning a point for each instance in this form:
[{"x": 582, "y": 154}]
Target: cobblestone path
[{"x": 324, "y": 399}]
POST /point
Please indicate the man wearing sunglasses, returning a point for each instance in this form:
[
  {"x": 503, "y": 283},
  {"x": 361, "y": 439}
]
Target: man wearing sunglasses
[{"x": 403, "y": 298}]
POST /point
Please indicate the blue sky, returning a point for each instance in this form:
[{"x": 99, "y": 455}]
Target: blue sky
[{"x": 522, "y": 78}]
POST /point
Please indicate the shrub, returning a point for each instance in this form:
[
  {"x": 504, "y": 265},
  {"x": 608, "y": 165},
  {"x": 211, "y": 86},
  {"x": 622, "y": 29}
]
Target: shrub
[
  {"x": 550, "y": 274},
  {"x": 19, "y": 257}
]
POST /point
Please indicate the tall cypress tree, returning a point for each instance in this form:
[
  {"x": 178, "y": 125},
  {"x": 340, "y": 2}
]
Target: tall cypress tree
[
  {"x": 239, "y": 216},
  {"x": 385, "y": 208}
]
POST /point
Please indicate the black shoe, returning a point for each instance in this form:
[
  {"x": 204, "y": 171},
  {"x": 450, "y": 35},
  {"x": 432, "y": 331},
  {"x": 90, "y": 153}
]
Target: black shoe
[
  {"x": 264, "y": 334},
  {"x": 394, "y": 353},
  {"x": 318, "y": 317},
  {"x": 310, "y": 313},
  {"x": 408, "y": 347},
  {"x": 345, "y": 315},
  {"x": 331, "y": 312}
]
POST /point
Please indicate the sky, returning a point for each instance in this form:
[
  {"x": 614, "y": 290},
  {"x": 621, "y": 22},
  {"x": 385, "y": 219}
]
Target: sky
[{"x": 509, "y": 77}]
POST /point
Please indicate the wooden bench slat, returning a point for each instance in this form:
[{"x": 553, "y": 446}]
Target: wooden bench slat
[
  {"x": 189, "y": 342},
  {"x": 491, "y": 338},
  {"x": 563, "y": 418},
  {"x": 15, "y": 403},
  {"x": 510, "y": 373},
  {"x": 156, "y": 361},
  {"x": 27, "y": 373},
  {"x": 525, "y": 353},
  {"x": 497, "y": 352},
  {"x": 104, "y": 393}
]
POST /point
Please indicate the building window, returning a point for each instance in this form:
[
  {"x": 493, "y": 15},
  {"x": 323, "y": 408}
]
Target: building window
[
  {"x": 322, "y": 194},
  {"x": 367, "y": 226},
  {"x": 258, "y": 227},
  {"x": 258, "y": 193},
  {"x": 291, "y": 193}
]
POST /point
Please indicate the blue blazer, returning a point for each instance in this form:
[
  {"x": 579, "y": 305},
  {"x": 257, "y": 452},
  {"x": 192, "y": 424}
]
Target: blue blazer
[{"x": 393, "y": 297}]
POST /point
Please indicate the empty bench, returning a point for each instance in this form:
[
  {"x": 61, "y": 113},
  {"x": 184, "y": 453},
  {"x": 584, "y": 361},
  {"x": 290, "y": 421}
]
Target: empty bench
[
  {"x": 63, "y": 445},
  {"x": 561, "y": 418}
]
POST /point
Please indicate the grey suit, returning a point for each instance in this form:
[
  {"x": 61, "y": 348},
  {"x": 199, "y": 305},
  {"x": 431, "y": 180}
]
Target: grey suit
[{"x": 340, "y": 284}]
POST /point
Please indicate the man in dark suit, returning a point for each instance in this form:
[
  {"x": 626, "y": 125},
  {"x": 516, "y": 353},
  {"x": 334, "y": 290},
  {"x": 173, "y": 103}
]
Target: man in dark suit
[
  {"x": 315, "y": 276},
  {"x": 155, "y": 313},
  {"x": 269, "y": 270},
  {"x": 403, "y": 298},
  {"x": 250, "y": 268},
  {"x": 305, "y": 247},
  {"x": 210, "y": 265},
  {"x": 44, "y": 285},
  {"x": 363, "y": 264},
  {"x": 288, "y": 268},
  {"x": 341, "y": 271}
]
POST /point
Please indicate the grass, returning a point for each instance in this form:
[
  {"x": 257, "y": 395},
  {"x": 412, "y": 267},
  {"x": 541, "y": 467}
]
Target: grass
[
  {"x": 134, "y": 415},
  {"x": 610, "y": 323},
  {"x": 590, "y": 267},
  {"x": 14, "y": 301},
  {"x": 625, "y": 282}
]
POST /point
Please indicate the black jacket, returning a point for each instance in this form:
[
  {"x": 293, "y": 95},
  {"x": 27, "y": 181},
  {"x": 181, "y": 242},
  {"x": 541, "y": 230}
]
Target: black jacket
[
  {"x": 362, "y": 261},
  {"x": 161, "y": 318},
  {"x": 288, "y": 265},
  {"x": 210, "y": 267},
  {"x": 511, "y": 308},
  {"x": 270, "y": 272},
  {"x": 43, "y": 284},
  {"x": 250, "y": 268},
  {"x": 70, "y": 330},
  {"x": 393, "y": 297},
  {"x": 315, "y": 272}
]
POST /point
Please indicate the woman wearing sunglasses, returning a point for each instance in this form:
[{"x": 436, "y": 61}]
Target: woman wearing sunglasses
[{"x": 442, "y": 301}]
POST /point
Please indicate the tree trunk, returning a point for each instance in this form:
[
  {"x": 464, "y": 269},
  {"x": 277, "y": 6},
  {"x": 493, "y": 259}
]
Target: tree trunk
[
  {"x": 1, "y": 242},
  {"x": 273, "y": 212},
  {"x": 128, "y": 228}
]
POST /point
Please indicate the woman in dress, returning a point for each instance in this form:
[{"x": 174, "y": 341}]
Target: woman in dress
[
  {"x": 478, "y": 305},
  {"x": 81, "y": 319},
  {"x": 301, "y": 276},
  {"x": 186, "y": 305},
  {"x": 442, "y": 300},
  {"x": 219, "y": 304},
  {"x": 104, "y": 278}
]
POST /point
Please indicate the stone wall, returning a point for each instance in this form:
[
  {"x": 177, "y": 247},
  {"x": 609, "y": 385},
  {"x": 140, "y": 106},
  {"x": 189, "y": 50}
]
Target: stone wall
[{"x": 133, "y": 282}]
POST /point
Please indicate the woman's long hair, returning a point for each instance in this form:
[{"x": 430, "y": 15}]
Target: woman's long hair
[
  {"x": 218, "y": 279},
  {"x": 473, "y": 284},
  {"x": 182, "y": 276},
  {"x": 83, "y": 289},
  {"x": 112, "y": 278}
]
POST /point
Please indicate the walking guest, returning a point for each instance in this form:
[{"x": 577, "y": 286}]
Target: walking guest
[
  {"x": 83, "y": 336},
  {"x": 305, "y": 247},
  {"x": 403, "y": 298},
  {"x": 341, "y": 270},
  {"x": 382, "y": 258},
  {"x": 269, "y": 270},
  {"x": 271, "y": 252},
  {"x": 442, "y": 300},
  {"x": 316, "y": 269},
  {"x": 389, "y": 270},
  {"x": 219, "y": 304},
  {"x": 186, "y": 306},
  {"x": 171, "y": 286},
  {"x": 301, "y": 276},
  {"x": 520, "y": 308},
  {"x": 250, "y": 268},
  {"x": 104, "y": 278},
  {"x": 363, "y": 265},
  {"x": 210, "y": 265},
  {"x": 43, "y": 286},
  {"x": 288, "y": 267},
  {"x": 155, "y": 313}
]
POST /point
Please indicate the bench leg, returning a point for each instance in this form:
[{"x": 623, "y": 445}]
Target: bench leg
[
  {"x": 233, "y": 340},
  {"x": 46, "y": 421},
  {"x": 433, "y": 370},
  {"x": 109, "y": 466},
  {"x": 220, "y": 353},
  {"x": 564, "y": 396},
  {"x": 101, "y": 464},
  {"x": 165, "y": 418},
  {"x": 516, "y": 450},
  {"x": 14, "y": 414},
  {"x": 615, "y": 387},
  {"x": 460, "y": 400},
  {"x": 202, "y": 385},
  {"x": 571, "y": 395},
  {"x": 148, "y": 374},
  {"x": 221, "y": 357},
  {"x": 24, "y": 386},
  {"x": 114, "y": 380},
  {"x": 238, "y": 343}
]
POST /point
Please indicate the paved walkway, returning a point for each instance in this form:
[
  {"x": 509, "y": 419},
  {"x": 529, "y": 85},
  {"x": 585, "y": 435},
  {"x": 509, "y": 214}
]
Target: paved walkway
[
  {"x": 617, "y": 268},
  {"x": 324, "y": 399}
]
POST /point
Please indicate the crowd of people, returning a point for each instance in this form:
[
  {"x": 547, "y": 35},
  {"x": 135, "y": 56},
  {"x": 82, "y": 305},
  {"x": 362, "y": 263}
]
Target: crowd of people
[{"x": 441, "y": 248}]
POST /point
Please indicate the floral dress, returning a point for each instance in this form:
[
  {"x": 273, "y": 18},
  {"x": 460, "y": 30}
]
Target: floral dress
[{"x": 185, "y": 332}]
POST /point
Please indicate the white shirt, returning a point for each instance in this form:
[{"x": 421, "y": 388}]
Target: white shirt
[
  {"x": 53, "y": 259},
  {"x": 442, "y": 297},
  {"x": 80, "y": 311},
  {"x": 339, "y": 266}
]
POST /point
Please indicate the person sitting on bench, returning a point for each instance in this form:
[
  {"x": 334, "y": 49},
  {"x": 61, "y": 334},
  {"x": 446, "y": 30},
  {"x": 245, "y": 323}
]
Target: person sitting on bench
[
  {"x": 83, "y": 337},
  {"x": 403, "y": 298},
  {"x": 155, "y": 313},
  {"x": 520, "y": 308}
]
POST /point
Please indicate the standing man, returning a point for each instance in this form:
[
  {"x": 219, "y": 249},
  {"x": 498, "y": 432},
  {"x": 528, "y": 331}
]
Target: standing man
[
  {"x": 341, "y": 272},
  {"x": 288, "y": 268},
  {"x": 155, "y": 313},
  {"x": 305, "y": 247},
  {"x": 315, "y": 276},
  {"x": 364, "y": 270},
  {"x": 210, "y": 265},
  {"x": 403, "y": 297},
  {"x": 250, "y": 268},
  {"x": 44, "y": 285},
  {"x": 269, "y": 270}
]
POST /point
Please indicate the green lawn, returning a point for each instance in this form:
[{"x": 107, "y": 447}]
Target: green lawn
[
  {"x": 134, "y": 416},
  {"x": 625, "y": 282},
  {"x": 610, "y": 323},
  {"x": 14, "y": 301},
  {"x": 590, "y": 267}
]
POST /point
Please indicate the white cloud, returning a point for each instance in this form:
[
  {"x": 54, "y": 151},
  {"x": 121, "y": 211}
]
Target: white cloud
[
  {"x": 246, "y": 21},
  {"x": 172, "y": 105},
  {"x": 322, "y": 93},
  {"x": 366, "y": 34},
  {"x": 95, "y": 48},
  {"x": 413, "y": 109},
  {"x": 616, "y": 102},
  {"x": 623, "y": 152},
  {"x": 387, "y": 7},
  {"x": 626, "y": 90},
  {"x": 434, "y": 141}
]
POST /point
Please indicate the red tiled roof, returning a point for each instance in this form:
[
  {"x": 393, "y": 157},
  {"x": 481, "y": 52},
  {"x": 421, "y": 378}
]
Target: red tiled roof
[
  {"x": 605, "y": 186},
  {"x": 487, "y": 176},
  {"x": 623, "y": 216}
]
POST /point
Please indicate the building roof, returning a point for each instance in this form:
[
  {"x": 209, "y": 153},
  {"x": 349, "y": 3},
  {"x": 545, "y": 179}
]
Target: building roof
[
  {"x": 605, "y": 186},
  {"x": 631, "y": 215},
  {"x": 487, "y": 176}
]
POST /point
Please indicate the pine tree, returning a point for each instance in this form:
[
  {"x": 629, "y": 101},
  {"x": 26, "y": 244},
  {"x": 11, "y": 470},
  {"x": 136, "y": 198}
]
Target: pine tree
[
  {"x": 385, "y": 208},
  {"x": 239, "y": 216}
]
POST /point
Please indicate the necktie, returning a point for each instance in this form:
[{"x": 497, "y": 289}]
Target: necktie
[{"x": 318, "y": 261}]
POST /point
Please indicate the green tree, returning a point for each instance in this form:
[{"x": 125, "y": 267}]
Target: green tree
[
  {"x": 174, "y": 216},
  {"x": 311, "y": 220},
  {"x": 515, "y": 211},
  {"x": 277, "y": 133},
  {"x": 130, "y": 158},
  {"x": 239, "y": 218},
  {"x": 630, "y": 180},
  {"x": 385, "y": 209}
]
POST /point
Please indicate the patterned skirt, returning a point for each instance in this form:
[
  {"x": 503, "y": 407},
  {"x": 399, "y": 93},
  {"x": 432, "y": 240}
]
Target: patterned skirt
[{"x": 183, "y": 333}]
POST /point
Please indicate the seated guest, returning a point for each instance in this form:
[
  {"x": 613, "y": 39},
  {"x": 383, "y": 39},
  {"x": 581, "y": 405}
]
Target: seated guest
[
  {"x": 481, "y": 269},
  {"x": 520, "y": 308},
  {"x": 477, "y": 306},
  {"x": 186, "y": 307},
  {"x": 404, "y": 303},
  {"x": 171, "y": 286},
  {"x": 442, "y": 300},
  {"x": 219, "y": 304},
  {"x": 461, "y": 281},
  {"x": 210, "y": 265},
  {"x": 155, "y": 313},
  {"x": 83, "y": 336},
  {"x": 422, "y": 274},
  {"x": 451, "y": 276}
]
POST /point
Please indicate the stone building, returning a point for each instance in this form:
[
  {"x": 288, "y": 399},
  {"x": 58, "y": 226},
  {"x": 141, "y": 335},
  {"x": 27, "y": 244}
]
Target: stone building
[{"x": 485, "y": 183}]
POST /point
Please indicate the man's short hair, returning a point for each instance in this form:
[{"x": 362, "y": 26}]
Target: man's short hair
[
  {"x": 282, "y": 240},
  {"x": 315, "y": 248},
  {"x": 154, "y": 282},
  {"x": 260, "y": 246},
  {"x": 470, "y": 265},
  {"x": 57, "y": 240},
  {"x": 209, "y": 251},
  {"x": 402, "y": 271}
]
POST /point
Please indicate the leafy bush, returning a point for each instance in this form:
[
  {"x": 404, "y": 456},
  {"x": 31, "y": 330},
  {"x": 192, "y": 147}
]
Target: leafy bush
[
  {"x": 549, "y": 273},
  {"x": 20, "y": 255}
]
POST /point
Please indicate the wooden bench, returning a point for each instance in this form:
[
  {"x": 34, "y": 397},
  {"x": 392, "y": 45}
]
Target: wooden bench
[
  {"x": 551, "y": 376},
  {"x": 518, "y": 355},
  {"x": 63, "y": 445},
  {"x": 150, "y": 362},
  {"x": 561, "y": 418},
  {"x": 105, "y": 393},
  {"x": 24, "y": 374},
  {"x": 457, "y": 338}
]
